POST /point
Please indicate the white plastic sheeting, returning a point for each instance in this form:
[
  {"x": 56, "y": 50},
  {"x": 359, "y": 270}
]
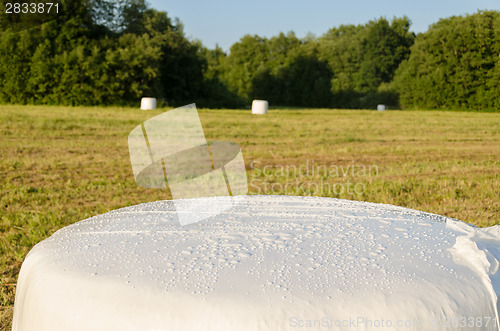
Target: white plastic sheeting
[
  {"x": 270, "y": 263},
  {"x": 148, "y": 103},
  {"x": 259, "y": 107}
]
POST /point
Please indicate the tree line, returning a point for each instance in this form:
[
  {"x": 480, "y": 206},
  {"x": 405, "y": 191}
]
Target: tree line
[{"x": 98, "y": 52}]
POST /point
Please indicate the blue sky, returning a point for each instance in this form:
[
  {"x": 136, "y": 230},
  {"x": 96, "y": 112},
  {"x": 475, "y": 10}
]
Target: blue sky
[{"x": 224, "y": 22}]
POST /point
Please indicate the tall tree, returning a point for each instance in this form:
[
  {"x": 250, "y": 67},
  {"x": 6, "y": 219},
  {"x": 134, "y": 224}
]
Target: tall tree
[
  {"x": 454, "y": 65},
  {"x": 363, "y": 57}
]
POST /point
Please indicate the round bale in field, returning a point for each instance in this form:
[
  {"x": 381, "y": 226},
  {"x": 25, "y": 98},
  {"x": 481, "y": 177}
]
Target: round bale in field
[
  {"x": 259, "y": 107},
  {"x": 148, "y": 103},
  {"x": 268, "y": 263}
]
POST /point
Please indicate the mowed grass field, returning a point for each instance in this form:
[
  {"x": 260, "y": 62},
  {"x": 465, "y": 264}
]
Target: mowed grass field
[{"x": 61, "y": 165}]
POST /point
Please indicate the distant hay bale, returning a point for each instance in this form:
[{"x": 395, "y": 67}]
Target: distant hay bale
[
  {"x": 148, "y": 103},
  {"x": 381, "y": 107},
  {"x": 259, "y": 107}
]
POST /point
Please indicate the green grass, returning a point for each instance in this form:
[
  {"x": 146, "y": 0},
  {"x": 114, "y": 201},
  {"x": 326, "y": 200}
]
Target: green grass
[{"x": 60, "y": 165}]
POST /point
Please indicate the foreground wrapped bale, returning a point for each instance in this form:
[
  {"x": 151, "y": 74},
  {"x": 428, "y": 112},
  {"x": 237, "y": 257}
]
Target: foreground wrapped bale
[{"x": 270, "y": 263}]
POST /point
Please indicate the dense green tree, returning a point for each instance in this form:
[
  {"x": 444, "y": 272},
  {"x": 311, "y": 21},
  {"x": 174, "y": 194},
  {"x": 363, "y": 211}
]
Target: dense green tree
[
  {"x": 276, "y": 69},
  {"x": 305, "y": 82},
  {"x": 362, "y": 58},
  {"x": 283, "y": 50},
  {"x": 383, "y": 50},
  {"x": 342, "y": 48},
  {"x": 246, "y": 59},
  {"x": 181, "y": 68},
  {"x": 104, "y": 53},
  {"x": 454, "y": 65},
  {"x": 214, "y": 92},
  {"x": 15, "y": 57}
]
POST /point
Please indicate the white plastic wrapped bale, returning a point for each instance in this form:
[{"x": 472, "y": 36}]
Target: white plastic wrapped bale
[
  {"x": 148, "y": 103},
  {"x": 381, "y": 107},
  {"x": 259, "y": 107},
  {"x": 270, "y": 263}
]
